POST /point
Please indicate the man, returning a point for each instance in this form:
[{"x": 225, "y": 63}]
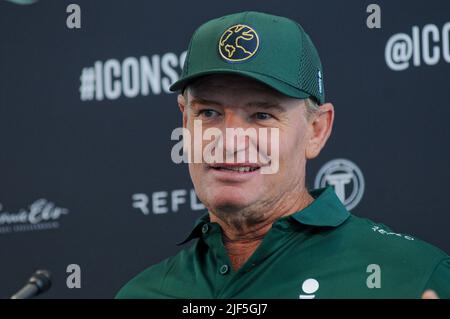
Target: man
[{"x": 266, "y": 235}]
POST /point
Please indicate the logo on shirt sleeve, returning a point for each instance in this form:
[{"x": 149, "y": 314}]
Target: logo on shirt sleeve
[{"x": 382, "y": 231}]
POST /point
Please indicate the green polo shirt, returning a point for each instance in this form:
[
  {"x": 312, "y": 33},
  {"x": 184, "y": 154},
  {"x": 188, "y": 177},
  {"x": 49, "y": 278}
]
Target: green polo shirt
[{"x": 321, "y": 251}]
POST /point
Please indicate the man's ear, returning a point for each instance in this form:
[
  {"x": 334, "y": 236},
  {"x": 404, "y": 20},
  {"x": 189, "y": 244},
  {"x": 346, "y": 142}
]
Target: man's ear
[
  {"x": 182, "y": 106},
  {"x": 319, "y": 130}
]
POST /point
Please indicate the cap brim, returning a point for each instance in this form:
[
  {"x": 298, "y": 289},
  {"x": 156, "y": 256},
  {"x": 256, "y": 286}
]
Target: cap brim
[{"x": 278, "y": 85}]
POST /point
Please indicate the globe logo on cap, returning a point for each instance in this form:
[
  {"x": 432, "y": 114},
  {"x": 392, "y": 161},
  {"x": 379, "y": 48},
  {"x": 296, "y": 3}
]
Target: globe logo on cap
[{"x": 238, "y": 43}]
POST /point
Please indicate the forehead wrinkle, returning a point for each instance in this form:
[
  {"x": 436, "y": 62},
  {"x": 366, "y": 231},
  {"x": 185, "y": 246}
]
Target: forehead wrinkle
[
  {"x": 259, "y": 104},
  {"x": 265, "y": 100},
  {"x": 210, "y": 90},
  {"x": 232, "y": 81}
]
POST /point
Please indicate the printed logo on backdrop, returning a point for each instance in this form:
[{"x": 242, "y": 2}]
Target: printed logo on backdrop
[
  {"x": 22, "y": 2},
  {"x": 162, "y": 202},
  {"x": 428, "y": 45},
  {"x": 132, "y": 77},
  {"x": 346, "y": 179},
  {"x": 40, "y": 215}
]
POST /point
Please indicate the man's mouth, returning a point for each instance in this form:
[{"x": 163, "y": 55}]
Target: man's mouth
[{"x": 235, "y": 168}]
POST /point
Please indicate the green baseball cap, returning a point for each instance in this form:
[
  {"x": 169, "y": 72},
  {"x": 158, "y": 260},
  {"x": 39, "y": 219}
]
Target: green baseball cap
[{"x": 271, "y": 49}]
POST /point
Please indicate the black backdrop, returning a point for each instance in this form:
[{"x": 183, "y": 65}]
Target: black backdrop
[{"x": 86, "y": 158}]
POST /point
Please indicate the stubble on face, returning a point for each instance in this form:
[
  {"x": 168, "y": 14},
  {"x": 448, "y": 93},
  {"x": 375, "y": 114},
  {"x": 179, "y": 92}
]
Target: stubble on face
[{"x": 284, "y": 195}]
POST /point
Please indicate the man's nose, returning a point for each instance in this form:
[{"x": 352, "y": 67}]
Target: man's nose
[{"x": 235, "y": 140}]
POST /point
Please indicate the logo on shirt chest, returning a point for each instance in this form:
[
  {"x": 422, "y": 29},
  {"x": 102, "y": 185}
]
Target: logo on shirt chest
[{"x": 309, "y": 288}]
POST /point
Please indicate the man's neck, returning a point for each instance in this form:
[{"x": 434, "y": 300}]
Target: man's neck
[{"x": 242, "y": 239}]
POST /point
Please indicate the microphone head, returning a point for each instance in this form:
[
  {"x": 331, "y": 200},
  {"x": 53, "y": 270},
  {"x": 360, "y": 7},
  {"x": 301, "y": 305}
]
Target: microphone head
[{"x": 42, "y": 279}]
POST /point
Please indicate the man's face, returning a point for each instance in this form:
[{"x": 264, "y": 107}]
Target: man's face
[{"x": 229, "y": 101}]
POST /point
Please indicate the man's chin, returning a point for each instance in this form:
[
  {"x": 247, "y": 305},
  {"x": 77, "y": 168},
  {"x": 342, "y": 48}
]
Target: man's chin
[
  {"x": 229, "y": 198},
  {"x": 230, "y": 204}
]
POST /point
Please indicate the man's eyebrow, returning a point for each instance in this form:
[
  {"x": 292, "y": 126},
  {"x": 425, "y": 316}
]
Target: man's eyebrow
[
  {"x": 202, "y": 101},
  {"x": 266, "y": 105},
  {"x": 256, "y": 104}
]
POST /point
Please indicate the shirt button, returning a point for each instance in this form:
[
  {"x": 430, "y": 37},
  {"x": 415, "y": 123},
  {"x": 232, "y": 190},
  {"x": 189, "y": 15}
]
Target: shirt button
[
  {"x": 224, "y": 269},
  {"x": 205, "y": 228}
]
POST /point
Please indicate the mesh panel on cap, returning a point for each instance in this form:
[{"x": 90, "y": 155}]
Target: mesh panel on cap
[{"x": 309, "y": 67}]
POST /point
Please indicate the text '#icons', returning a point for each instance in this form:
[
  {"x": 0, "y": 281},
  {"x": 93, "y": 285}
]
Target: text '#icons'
[{"x": 131, "y": 77}]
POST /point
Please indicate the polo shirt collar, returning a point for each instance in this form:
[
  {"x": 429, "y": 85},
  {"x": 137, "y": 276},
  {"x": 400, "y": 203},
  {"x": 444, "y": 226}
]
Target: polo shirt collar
[
  {"x": 196, "y": 231},
  {"x": 326, "y": 210}
]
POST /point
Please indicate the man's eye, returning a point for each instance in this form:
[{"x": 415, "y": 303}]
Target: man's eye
[
  {"x": 263, "y": 116},
  {"x": 208, "y": 113}
]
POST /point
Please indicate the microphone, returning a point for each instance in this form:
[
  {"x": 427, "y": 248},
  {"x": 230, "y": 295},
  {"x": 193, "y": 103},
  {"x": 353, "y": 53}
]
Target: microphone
[{"x": 38, "y": 283}]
